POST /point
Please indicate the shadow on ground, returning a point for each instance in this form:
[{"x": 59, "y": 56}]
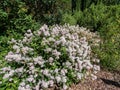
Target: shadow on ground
[{"x": 111, "y": 82}]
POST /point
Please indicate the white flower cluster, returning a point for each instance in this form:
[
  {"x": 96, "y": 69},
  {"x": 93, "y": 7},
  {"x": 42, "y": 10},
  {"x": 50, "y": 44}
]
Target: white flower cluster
[{"x": 51, "y": 56}]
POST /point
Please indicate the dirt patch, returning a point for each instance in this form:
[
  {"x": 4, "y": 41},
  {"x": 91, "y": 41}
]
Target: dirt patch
[{"x": 105, "y": 81}]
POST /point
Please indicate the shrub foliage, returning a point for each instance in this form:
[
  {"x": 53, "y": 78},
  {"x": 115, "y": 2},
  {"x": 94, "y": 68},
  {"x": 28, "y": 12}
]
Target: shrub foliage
[{"x": 59, "y": 55}]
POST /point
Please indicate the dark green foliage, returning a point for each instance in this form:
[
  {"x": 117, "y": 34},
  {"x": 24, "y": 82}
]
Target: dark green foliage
[
  {"x": 47, "y": 11},
  {"x": 105, "y": 20},
  {"x": 83, "y": 4},
  {"x": 110, "y": 48},
  {"x": 42, "y": 9},
  {"x": 14, "y": 17},
  {"x": 14, "y": 21},
  {"x": 68, "y": 18},
  {"x": 111, "y": 2},
  {"x": 3, "y": 21},
  {"x": 94, "y": 17}
]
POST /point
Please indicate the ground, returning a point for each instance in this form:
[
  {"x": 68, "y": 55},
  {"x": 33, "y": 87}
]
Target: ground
[{"x": 105, "y": 81}]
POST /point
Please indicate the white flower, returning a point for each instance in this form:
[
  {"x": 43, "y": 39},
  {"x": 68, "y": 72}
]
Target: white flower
[
  {"x": 51, "y": 77},
  {"x": 19, "y": 70},
  {"x": 37, "y": 87},
  {"x": 39, "y": 60},
  {"x": 15, "y": 47},
  {"x": 63, "y": 72},
  {"x": 0, "y": 82},
  {"x": 32, "y": 67},
  {"x": 68, "y": 64},
  {"x": 57, "y": 43},
  {"x": 21, "y": 88},
  {"x": 51, "y": 83},
  {"x": 51, "y": 39},
  {"x": 44, "y": 84},
  {"x": 46, "y": 72},
  {"x": 88, "y": 67},
  {"x": 22, "y": 84},
  {"x": 76, "y": 66},
  {"x": 96, "y": 60},
  {"x": 96, "y": 67},
  {"x": 63, "y": 40},
  {"x": 28, "y": 35},
  {"x": 50, "y": 59},
  {"x": 26, "y": 49},
  {"x": 30, "y": 79},
  {"x": 10, "y": 79},
  {"x": 93, "y": 77},
  {"x": 6, "y": 76},
  {"x": 11, "y": 72},
  {"x": 56, "y": 53},
  {"x": 46, "y": 33},
  {"x": 10, "y": 53},
  {"x": 56, "y": 70},
  {"x": 72, "y": 58},
  {"x": 58, "y": 79},
  {"x": 5, "y": 69},
  {"x": 29, "y": 31},
  {"x": 65, "y": 87},
  {"x": 15, "y": 57},
  {"x": 64, "y": 80},
  {"x": 48, "y": 50},
  {"x": 28, "y": 87},
  {"x": 13, "y": 40},
  {"x": 79, "y": 76}
]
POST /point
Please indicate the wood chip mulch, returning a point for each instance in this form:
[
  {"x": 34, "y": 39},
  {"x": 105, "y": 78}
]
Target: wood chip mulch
[{"x": 105, "y": 81}]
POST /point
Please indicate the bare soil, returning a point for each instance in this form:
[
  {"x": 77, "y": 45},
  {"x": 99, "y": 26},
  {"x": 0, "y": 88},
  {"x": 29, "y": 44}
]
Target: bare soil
[{"x": 105, "y": 81}]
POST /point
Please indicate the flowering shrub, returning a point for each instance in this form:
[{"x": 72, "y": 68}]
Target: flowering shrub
[{"x": 59, "y": 55}]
